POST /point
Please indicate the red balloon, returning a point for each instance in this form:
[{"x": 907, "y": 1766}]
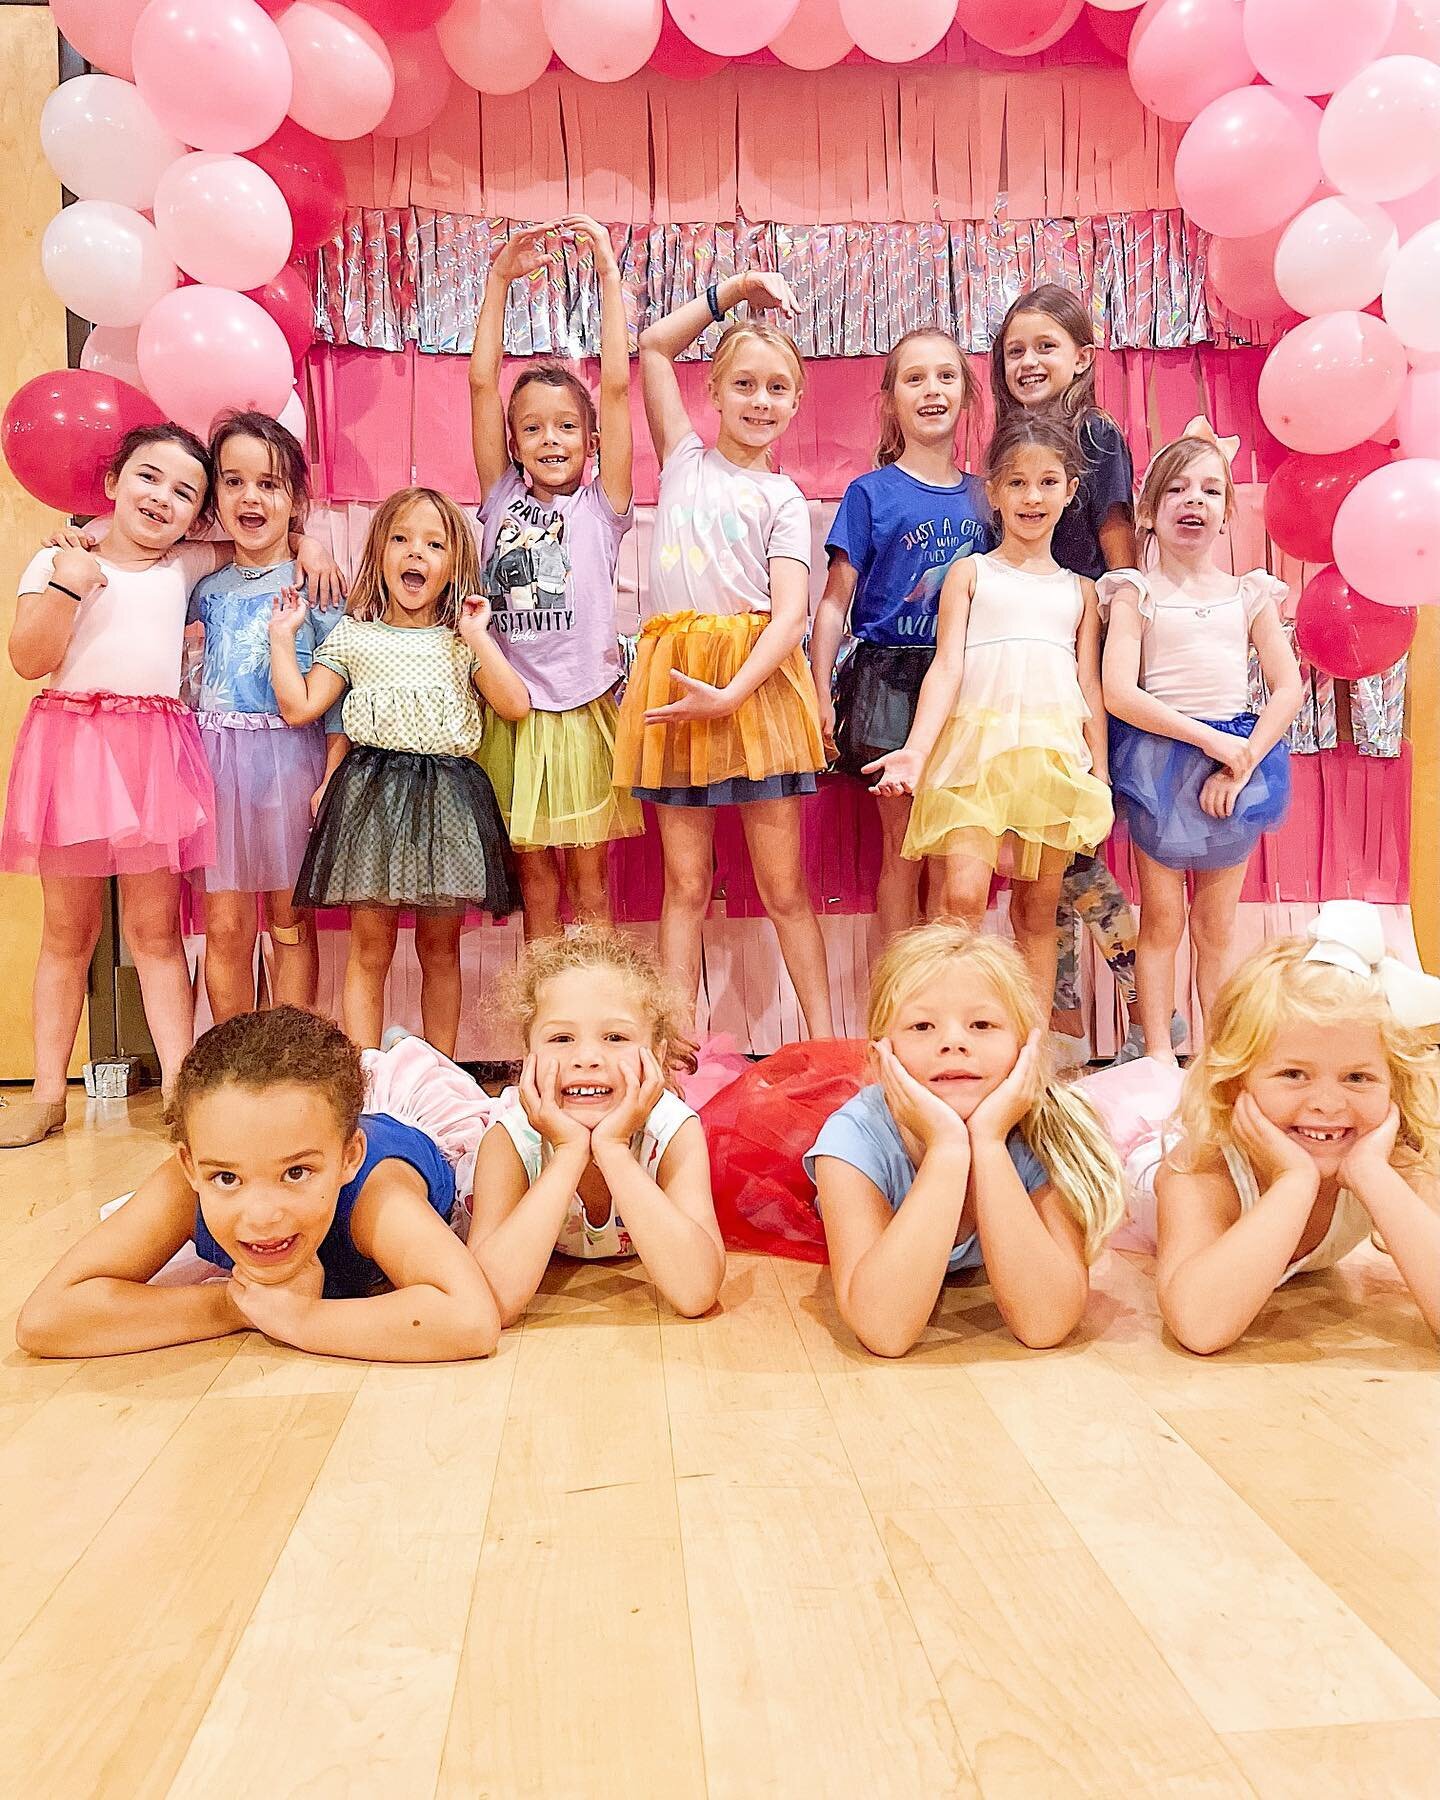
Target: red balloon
[
  {"x": 291, "y": 304},
  {"x": 675, "y": 55},
  {"x": 389, "y": 16},
  {"x": 1304, "y": 496},
  {"x": 61, "y": 430},
  {"x": 1346, "y": 635},
  {"x": 1112, "y": 28},
  {"x": 307, "y": 172}
]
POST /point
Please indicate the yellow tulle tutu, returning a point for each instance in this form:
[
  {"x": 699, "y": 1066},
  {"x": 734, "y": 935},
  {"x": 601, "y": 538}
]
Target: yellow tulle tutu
[
  {"x": 775, "y": 732},
  {"x": 553, "y": 775}
]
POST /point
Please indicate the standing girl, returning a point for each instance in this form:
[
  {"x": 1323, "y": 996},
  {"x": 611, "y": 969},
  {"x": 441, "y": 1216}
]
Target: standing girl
[
  {"x": 1006, "y": 758},
  {"x": 965, "y": 1153},
  {"x": 1310, "y": 1120},
  {"x": 1043, "y": 360},
  {"x": 264, "y": 770},
  {"x": 1197, "y": 775},
  {"x": 899, "y": 528},
  {"x": 552, "y": 538},
  {"x": 725, "y": 613},
  {"x": 408, "y": 819}
]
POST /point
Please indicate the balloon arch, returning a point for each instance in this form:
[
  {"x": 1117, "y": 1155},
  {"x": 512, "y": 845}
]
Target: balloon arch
[{"x": 199, "y": 152}]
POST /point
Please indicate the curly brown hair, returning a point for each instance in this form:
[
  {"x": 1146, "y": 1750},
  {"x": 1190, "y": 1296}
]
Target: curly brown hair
[
  {"x": 606, "y": 947},
  {"x": 282, "y": 1047}
]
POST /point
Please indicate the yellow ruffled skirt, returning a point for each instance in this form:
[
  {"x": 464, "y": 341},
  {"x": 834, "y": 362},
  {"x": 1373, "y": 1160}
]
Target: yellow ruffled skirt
[
  {"x": 554, "y": 777},
  {"x": 1016, "y": 792},
  {"x": 775, "y": 732}
]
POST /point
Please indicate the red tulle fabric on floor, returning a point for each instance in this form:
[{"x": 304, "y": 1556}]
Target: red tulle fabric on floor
[{"x": 758, "y": 1129}]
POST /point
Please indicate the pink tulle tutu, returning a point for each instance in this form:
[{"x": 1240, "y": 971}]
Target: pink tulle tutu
[
  {"x": 108, "y": 784},
  {"x": 419, "y": 1085}
]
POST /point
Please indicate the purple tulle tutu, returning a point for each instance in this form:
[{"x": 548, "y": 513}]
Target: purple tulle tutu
[
  {"x": 265, "y": 772},
  {"x": 1157, "y": 782},
  {"x": 107, "y": 784}
]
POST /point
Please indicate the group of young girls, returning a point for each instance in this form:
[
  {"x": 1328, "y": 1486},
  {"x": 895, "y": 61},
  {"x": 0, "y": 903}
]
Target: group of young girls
[{"x": 464, "y": 734}]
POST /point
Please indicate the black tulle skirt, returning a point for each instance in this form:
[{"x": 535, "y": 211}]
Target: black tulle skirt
[
  {"x": 400, "y": 829},
  {"x": 877, "y": 688}
]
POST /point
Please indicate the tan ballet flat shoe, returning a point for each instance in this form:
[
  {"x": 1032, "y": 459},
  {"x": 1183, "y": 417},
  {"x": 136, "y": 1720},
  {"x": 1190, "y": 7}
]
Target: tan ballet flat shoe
[{"x": 28, "y": 1121}]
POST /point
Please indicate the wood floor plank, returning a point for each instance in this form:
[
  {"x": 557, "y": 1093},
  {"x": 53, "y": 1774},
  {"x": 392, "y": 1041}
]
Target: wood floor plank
[
  {"x": 744, "y": 1355},
  {"x": 1342, "y": 1762}
]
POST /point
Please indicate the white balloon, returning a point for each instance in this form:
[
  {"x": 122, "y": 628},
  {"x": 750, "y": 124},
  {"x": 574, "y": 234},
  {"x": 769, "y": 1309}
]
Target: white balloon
[
  {"x": 1117, "y": 5},
  {"x": 105, "y": 262},
  {"x": 110, "y": 350},
  {"x": 1412, "y": 291},
  {"x": 1332, "y": 257},
  {"x": 292, "y": 416},
  {"x": 223, "y": 219},
  {"x": 104, "y": 142}
]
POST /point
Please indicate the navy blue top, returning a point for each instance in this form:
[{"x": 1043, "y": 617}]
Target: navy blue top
[
  {"x": 900, "y": 536},
  {"x": 348, "y": 1274},
  {"x": 1109, "y": 480}
]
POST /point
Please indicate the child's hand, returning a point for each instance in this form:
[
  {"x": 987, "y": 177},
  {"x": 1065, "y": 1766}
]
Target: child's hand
[
  {"x": 1231, "y": 752},
  {"x": 317, "y": 797},
  {"x": 925, "y": 1121},
  {"x": 522, "y": 254},
  {"x": 288, "y": 612},
  {"x": 827, "y": 725},
  {"x": 644, "y": 1084},
  {"x": 473, "y": 625},
  {"x": 1220, "y": 792},
  {"x": 540, "y": 1097},
  {"x": 768, "y": 292},
  {"x": 69, "y": 537},
  {"x": 320, "y": 573},
  {"x": 700, "y": 701},
  {"x": 1271, "y": 1153},
  {"x": 1371, "y": 1152},
  {"x": 582, "y": 227},
  {"x": 1001, "y": 1111},
  {"x": 278, "y": 1311},
  {"x": 76, "y": 569},
  {"x": 895, "y": 773}
]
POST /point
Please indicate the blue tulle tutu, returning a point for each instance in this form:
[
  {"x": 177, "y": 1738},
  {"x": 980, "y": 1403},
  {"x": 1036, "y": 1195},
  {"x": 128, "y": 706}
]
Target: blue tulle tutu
[{"x": 1157, "y": 782}]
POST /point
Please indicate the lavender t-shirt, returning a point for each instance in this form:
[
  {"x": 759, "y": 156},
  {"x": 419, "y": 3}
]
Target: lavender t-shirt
[{"x": 550, "y": 577}]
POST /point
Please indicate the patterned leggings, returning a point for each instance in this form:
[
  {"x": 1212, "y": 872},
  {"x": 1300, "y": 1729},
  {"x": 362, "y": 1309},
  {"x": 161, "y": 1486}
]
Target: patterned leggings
[{"x": 1091, "y": 893}]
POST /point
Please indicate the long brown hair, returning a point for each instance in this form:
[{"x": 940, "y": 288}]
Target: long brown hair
[
  {"x": 892, "y": 440},
  {"x": 368, "y": 596},
  {"x": 1064, "y": 310},
  {"x": 287, "y": 458}
]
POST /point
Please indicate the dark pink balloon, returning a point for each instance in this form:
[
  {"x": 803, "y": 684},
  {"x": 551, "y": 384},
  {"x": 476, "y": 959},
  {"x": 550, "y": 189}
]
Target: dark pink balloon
[
  {"x": 392, "y": 16},
  {"x": 675, "y": 55},
  {"x": 307, "y": 171},
  {"x": 1304, "y": 496},
  {"x": 1112, "y": 28},
  {"x": 291, "y": 304},
  {"x": 1346, "y": 635},
  {"x": 61, "y": 430}
]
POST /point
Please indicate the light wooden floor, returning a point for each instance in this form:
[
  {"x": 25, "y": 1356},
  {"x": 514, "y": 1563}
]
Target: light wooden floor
[{"x": 635, "y": 1555}]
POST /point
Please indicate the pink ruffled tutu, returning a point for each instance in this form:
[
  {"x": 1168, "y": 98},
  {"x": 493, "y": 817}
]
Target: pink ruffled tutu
[
  {"x": 419, "y": 1085},
  {"x": 265, "y": 772},
  {"x": 108, "y": 784}
]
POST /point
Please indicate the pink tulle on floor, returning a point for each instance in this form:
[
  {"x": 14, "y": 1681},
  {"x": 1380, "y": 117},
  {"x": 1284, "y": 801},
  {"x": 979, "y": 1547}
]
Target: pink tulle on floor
[
  {"x": 414, "y": 1082},
  {"x": 107, "y": 784}
]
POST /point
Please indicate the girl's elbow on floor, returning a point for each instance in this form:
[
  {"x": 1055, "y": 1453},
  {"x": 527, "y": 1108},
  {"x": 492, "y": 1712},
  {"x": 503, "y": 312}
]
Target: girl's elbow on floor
[{"x": 40, "y": 1331}]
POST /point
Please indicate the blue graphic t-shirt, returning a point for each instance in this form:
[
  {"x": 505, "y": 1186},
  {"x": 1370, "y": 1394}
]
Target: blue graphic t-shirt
[
  {"x": 900, "y": 536},
  {"x": 233, "y": 605}
]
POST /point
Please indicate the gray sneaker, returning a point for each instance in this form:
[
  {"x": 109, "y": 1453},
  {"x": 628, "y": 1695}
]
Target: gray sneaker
[{"x": 1134, "y": 1046}]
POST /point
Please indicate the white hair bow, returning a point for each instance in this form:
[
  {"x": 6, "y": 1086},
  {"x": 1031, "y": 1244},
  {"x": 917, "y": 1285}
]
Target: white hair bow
[{"x": 1348, "y": 934}]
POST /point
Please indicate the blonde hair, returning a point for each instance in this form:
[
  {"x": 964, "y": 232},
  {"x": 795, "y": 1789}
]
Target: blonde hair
[
  {"x": 732, "y": 337},
  {"x": 1277, "y": 986},
  {"x": 369, "y": 598},
  {"x": 1169, "y": 463},
  {"x": 892, "y": 439},
  {"x": 1061, "y": 1127},
  {"x": 606, "y": 947}
]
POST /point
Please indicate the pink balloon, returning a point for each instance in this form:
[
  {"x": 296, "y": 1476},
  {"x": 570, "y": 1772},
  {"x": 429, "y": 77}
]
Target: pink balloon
[
  {"x": 899, "y": 31},
  {"x": 1412, "y": 291},
  {"x": 497, "y": 46},
  {"x": 222, "y": 219},
  {"x": 203, "y": 349},
  {"x": 1415, "y": 211},
  {"x": 110, "y": 350},
  {"x": 213, "y": 72},
  {"x": 1315, "y": 46},
  {"x": 1387, "y": 534},
  {"x": 423, "y": 80},
  {"x": 291, "y": 304},
  {"x": 732, "y": 27},
  {"x": 602, "y": 40},
  {"x": 1226, "y": 147},
  {"x": 1417, "y": 418},
  {"x": 60, "y": 431},
  {"x": 1345, "y": 635},
  {"x": 676, "y": 56},
  {"x": 344, "y": 79},
  {"x": 101, "y": 30},
  {"x": 1332, "y": 381},
  {"x": 1019, "y": 27},
  {"x": 1417, "y": 30},
  {"x": 308, "y": 173},
  {"x": 1380, "y": 137},
  {"x": 1185, "y": 53},
  {"x": 815, "y": 38},
  {"x": 395, "y": 18},
  {"x": 1242, "y": 275},
  {"x": 1332, "y": 257},
  {"x": 106, "y": 262},
  {"x": 1304, "y": 495}
]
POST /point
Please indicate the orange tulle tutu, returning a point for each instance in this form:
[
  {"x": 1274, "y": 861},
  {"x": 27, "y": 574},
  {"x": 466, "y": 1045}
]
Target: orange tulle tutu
[{"x": 775, "y": 732}]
